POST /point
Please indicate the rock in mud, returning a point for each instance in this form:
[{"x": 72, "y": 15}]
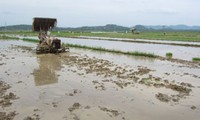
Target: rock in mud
[
  {"x": 74, "y": 107},
  {"x": 193, "y": 107},
  {"x": 163, "y": 97},
  {"x": 178, "y": 88},
  {"x": 31, "y": 118},
  {"x": 10, "y": 116},
  {"x": 186, "y": 84},
  {"x": 113, "y": 112}
]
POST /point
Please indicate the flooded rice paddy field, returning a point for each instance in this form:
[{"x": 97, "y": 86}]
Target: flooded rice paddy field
[
  {"x": 180, "y": 52},
  {"x": 158, "y": 48},
  {"x": 84, "y": 84}
]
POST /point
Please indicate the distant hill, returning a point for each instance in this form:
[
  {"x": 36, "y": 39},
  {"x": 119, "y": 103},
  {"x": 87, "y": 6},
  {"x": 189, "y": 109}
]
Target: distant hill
[
  {"x": 16, "y": 27},
  {"x": 173, "y": 27},
  {"x": 106, "y": 28},
  {"x": 109, "y": 28}
]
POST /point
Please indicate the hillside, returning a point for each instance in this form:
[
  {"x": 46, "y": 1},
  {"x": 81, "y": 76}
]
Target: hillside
[
  {"x": 106, "y": 28},
  {"x": 173, "y": 27},
  {"x": 16, "y": 27},
  {"x": 109, "y": 28}
]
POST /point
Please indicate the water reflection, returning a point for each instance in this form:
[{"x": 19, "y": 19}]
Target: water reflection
[{"x": 46, "y": 73}]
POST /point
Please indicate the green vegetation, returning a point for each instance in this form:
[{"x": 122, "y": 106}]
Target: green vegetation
[
  {"x": 4, "y": 37},
  {"x": 136, "y": 53},
  {"x": 193, "y": 36},
  {"x": 30, "y": 40},
  {"x": 169, "y": 55},
  {"x": 21, "y": 33},
  {"x": 196, "y": 59}
]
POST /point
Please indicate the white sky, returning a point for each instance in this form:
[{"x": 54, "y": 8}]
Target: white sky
[{"x": 75, "y": 13}]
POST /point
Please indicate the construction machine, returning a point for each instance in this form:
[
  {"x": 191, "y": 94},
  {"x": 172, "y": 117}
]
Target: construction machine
[{"x": 47, "y": 43}]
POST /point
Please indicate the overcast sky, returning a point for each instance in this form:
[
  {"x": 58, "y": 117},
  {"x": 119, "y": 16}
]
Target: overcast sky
[{"x": 74, "y": 13}]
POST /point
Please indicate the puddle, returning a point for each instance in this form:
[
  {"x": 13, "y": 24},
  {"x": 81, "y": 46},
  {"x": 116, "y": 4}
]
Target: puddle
[{"x": 84, "y": 85}]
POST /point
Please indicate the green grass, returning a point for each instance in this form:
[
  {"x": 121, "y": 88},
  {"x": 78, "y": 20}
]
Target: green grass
[
  {"x": 21, "y": 33},
  {"x": 193, "y": 36},
  {"x": 169, "y": 55},
  {"x": 172, "y": 36},
  {"x": 30, "y": 40},
  {"x": 136, "y": 53},
  {"x": 196, "y": 59},
  {"x": 4, "y": 37}
]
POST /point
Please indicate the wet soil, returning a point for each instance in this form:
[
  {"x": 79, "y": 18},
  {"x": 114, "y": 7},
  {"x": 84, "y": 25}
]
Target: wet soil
[
  {"x": 83, "y": 85},
  {"x": 9, "y": 116},
  {"x": 6, "y": 101}
]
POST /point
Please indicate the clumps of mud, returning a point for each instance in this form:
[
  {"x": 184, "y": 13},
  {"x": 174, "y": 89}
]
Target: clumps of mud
[
  {"x": 126, "y": 76},
  {"x": 166, "y": 98},
  {"x": 74, "y": 92},
  {"x": 5, "y": 101},
  {"x": 33, "y": 117},
  {"x": 182, "y": 89},
  {"x": 23, "y": 48},
  {"x": 2, "y": 64},
  {"x": 158, "y": 83},
  {"x": 120, "y": 76},
  {"x": 3, "y": 88},
  {"x": 192, "y": 64},
  {"x": 179, "y": 88},
  {"x": 98, "y": 85},
  {"x": 110, "y": 112},
  {"x": 10, "y": 116},
  {"x": 75, "y": 106},
  {"x": 193, "y": 107},
  {"x": 113, "y": 112}
]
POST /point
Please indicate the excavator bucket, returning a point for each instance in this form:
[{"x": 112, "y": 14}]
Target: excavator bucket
[{"x": 43, "y": 24}]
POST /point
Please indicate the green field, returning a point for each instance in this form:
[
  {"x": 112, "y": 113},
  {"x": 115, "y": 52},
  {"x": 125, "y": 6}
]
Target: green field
[{"x": 193, "y": 36}]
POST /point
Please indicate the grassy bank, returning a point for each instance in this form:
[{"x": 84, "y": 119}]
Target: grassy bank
[
  {"x": 171, "y": 36},
  {"x": 16, "y": 38},
  {"x": 3, "y": 37},
  {"x": 135, "y": 53},
  {"x": 30, "y": 40},
  {"x": 193, "y": 36},
  {"x": 196, "y": 59}
]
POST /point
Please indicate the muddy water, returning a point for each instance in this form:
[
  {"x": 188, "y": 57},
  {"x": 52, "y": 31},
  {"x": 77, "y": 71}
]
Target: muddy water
[
  {"x": 156, "y": 41},
  {"x": 180, "y": 52},
  {"x": 86, "y": 85}
]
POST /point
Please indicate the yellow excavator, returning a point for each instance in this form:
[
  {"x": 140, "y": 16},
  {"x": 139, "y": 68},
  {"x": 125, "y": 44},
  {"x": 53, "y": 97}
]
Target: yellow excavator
[{"x": 47, "y": 43}]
